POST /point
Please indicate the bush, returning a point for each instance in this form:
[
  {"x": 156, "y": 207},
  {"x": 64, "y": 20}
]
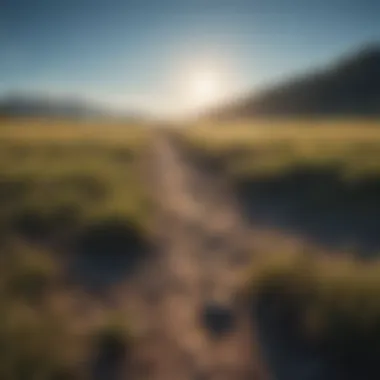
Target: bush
[
  {"x": 37, "y": 339},
  {"x": 333, "y": 297},
  {"x": 111, "y": 344}
]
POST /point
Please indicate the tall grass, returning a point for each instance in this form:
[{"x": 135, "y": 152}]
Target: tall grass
[
  {"x": 38, "y": 336},
  {"x": 62, "y": 186},
  {"x": 57, "y": 179},
  {"x": 42, "y": 334},
  {"x": 332, "y": 164},
  {"x": 269, "y": 148},
  {"x": 334, "y": 300}
]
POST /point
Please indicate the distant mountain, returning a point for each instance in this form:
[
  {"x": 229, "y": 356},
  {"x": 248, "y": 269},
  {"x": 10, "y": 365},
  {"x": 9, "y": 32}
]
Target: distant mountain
[
  {"x": 350, "y": 86},
  {"x": 23, "y": 105},
  {"x": 43, "y": 106}
]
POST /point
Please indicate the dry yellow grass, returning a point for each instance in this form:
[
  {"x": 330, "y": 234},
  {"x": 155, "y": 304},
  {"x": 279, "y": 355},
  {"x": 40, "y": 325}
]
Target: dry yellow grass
[
  {"x": 274, "y": 146},
  {"x": 88, "y": 171}
]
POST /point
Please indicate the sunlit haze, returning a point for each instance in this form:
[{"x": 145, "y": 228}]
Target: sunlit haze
[{"x": 204, "y": 88}]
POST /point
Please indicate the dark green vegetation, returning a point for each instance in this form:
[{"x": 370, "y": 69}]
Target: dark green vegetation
[{"x": 67, "y": 193}]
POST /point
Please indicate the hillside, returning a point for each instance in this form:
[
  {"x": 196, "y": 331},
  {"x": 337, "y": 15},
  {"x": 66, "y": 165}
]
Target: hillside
[
  {"x": 348, "y": 87},
  {"x": 34, "y": 105},
  {"x": 22, "y": 105}
]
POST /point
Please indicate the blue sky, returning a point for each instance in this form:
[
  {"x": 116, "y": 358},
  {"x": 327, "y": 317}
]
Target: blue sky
[{"x": 132, "y": 53}]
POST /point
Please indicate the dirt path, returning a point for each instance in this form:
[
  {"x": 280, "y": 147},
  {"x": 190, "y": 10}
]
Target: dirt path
[{"x": 201, "y": 240}]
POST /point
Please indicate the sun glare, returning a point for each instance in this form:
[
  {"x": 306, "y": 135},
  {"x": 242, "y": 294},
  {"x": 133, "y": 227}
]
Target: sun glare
[
  {"x": 204, "y": 88},
  {"x": 202, "y": 83}
]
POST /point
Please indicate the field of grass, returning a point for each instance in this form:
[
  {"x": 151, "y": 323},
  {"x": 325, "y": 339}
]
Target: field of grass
[
  {"x": 270, "y": 148},
  {"x": 79, "y": 188},
  {"x": 315, "y": 177},
  {"x": 334, "y": 296},
  {"x": 61, "y": 178},
  {"x": 333, "y": 165},
  {"x": 42, "y": 335}
]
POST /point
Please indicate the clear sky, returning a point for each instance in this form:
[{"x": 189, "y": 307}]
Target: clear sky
[{"x": 140, "y": 53}]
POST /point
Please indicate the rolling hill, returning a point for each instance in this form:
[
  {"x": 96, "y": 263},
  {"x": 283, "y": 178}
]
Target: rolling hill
[
  {"x": 349, "y": 86},
  {"x": 31, "y": 105}
]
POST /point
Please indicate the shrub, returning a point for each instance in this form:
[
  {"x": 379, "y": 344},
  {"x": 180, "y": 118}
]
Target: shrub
[
  {"x": 37, "y": 339},
  {"x": 334, "y": 297},
  {"x": 111, "y": 344}
]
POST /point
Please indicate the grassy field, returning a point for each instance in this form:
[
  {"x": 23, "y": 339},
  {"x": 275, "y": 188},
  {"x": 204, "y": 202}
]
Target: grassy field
[
  {"x": 79, "y": 188},
  {"x": 269, "y": 148},
  {"x": 315, "y": 172},
  {"x": 56, "y": 178},
  {"x": 333, "y": 297},
  {"x": 42, "y": 333},
  {"x": 334, "y": 165}
]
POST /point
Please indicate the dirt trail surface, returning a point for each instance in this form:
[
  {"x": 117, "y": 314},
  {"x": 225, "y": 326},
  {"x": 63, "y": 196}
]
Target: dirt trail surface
[{"x": 202, "y": 254}]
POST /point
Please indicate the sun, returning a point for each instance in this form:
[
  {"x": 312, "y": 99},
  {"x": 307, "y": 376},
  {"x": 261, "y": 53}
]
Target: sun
[
  {"x": 203, "y": 87},
  {"x": 201, "y": 83}
]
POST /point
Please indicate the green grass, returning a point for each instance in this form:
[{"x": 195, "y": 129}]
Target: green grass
[
  {"x": 42, "y": 336},
  {"x": 61, "y": 185},
  {"x": 329, "y": 167},
  {"x": 331, "y": 164},
  {"x": 336, "y": 298},
  {"x": 56, "y": 179},
  {"x": 269, "y": 148},
  {"x": 67, "y": 183},
  {"x": 38, "y": 339}
]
